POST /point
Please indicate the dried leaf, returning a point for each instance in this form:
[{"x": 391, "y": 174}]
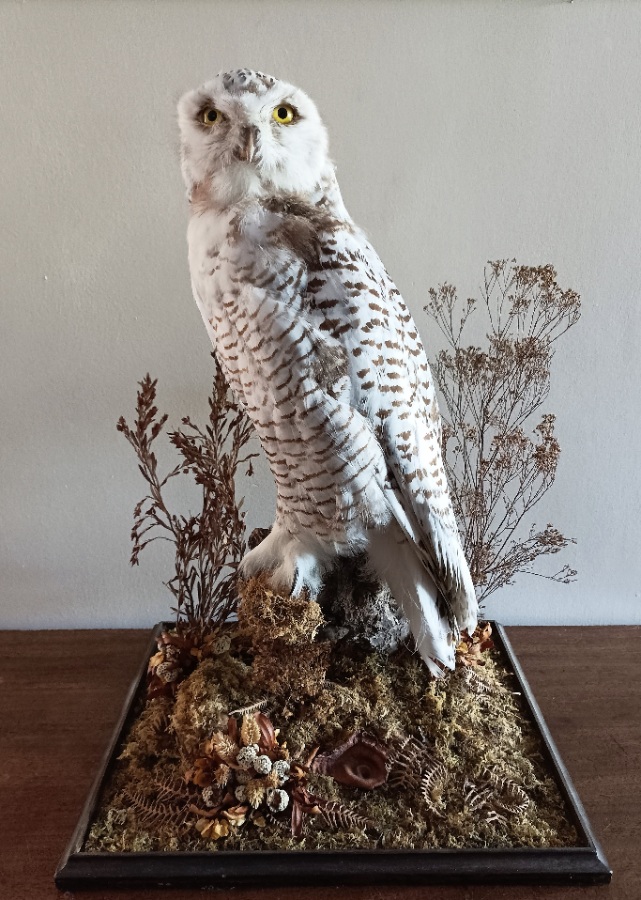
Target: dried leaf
[
  {"x": 213, "y": 829},
  {"x": 359, "y": 762}
]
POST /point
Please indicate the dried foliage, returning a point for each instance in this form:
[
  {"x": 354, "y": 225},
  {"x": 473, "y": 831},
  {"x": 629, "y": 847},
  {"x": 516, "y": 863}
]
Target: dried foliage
[
  {"x": 361, "y": 761},
  {"x": 208, "y": 545},
  {"x": 414, "y": 764},
  {"x": 494, "y": 798},
  {"x": 498, "y": 467},
  {"x": 246, "y": 775},
  {"x": 470, "y": 773},
  {"x": 178, "y": 654},
  {"x": 168, "y": 804},
  {"x": 470, "y": 649}
]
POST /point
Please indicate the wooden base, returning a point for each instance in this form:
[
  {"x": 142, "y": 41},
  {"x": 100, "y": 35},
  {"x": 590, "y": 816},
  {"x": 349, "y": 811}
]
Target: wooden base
[{"x": 583, "y": 864}]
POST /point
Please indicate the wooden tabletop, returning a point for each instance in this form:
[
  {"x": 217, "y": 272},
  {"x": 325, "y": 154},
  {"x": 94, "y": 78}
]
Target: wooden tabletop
[{"x": 61, "y": 693}]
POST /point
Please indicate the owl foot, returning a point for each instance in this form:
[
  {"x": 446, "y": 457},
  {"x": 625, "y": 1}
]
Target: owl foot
[{"x": 293, "y": 566}]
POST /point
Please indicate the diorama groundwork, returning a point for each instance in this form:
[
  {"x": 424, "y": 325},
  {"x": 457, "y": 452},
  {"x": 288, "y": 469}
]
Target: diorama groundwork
[{"x": 274, "y": 732}]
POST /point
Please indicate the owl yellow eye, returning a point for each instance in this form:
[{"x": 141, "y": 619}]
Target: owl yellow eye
[
  {"x": 283, "y": 114},
  {"x": 210, "y": 117}
]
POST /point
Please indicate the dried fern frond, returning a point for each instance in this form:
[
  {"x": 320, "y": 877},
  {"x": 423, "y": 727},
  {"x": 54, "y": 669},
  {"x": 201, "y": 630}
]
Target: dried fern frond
[
  {"x": 409, "y": 759},
  {"x": 510, "y": 796},
  {"x": 338, "y": 816},
  {"x": 495, "y": 798},
  {"x": 433, "y": 774},
  {"x": 253, "y": 707},
  {"x": 475, "y": 683},
  {"x": 170, "y": 806}
]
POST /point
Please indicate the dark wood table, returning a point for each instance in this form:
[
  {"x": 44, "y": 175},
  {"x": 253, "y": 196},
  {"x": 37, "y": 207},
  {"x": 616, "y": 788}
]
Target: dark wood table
[{"x": 61, "y": 693}]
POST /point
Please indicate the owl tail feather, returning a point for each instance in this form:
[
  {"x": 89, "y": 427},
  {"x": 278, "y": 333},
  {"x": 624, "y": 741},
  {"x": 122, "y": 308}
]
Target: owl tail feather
[{"x": 394, "y": 560}]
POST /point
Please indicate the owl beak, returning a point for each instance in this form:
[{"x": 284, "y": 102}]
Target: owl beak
[{"x": 247, "y": 149}]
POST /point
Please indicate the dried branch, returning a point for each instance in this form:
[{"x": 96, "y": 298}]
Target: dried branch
[
  {"x": 209, "y": 545},
  {"x": 497, "y": 470}
]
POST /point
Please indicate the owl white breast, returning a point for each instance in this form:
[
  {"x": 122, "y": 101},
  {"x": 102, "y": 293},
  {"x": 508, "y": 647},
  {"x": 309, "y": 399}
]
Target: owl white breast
[{"x": 316, "y": 342}]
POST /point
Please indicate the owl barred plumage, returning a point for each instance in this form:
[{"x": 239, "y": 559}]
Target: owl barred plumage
[{"x": 317, "y": 343}]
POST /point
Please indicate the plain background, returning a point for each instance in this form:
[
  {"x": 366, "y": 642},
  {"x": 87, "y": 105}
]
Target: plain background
[{"x": 462, "y": 132}]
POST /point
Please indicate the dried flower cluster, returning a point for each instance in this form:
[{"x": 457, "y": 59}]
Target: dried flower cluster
[
  {"x": 179, "y": 652},
  {"x": 239, "y": 771},
  {"x": 209, "y": 545},
  {"x": 470, "y": 649},
  {"x": 498, "y": 469},
  {"x": 245, "y": 774}
]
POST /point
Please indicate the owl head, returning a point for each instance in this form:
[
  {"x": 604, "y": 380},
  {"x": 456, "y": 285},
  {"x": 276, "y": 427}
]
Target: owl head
[{"x": 246, "y": 134}]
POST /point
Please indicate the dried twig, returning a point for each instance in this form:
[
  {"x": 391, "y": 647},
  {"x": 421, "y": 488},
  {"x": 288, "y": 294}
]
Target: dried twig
[
  {"x": 209, "y": 545},
  {"x": 497, "y": 470}
]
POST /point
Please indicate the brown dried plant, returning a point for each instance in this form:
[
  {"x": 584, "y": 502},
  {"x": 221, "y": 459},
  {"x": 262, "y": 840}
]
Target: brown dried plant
[
  {"x": 498, "y": 465},
  {"x": 209, "y": 545}
]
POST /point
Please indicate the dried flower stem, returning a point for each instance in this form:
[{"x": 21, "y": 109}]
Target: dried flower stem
[
  {"x": 210, "y": 544},
  {"x": 497, "y": 473}
]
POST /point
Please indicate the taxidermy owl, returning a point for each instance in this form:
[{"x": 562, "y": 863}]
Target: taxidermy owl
[{"x": 317, "y": 344}]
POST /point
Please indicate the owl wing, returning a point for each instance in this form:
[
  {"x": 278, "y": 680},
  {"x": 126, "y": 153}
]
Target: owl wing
[{"x": 392, "y": 385}]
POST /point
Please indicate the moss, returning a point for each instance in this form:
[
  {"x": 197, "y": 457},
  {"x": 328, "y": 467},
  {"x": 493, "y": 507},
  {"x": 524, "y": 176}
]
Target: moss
[
  {"x": 474, "y": 725},
  {"x": 283, "y": 629}
]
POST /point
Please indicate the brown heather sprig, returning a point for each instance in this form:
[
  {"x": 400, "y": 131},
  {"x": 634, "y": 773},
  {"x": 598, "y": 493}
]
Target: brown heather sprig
[
  {"x": 498, "y": 468},
  {"x": 209, "y": 545}
]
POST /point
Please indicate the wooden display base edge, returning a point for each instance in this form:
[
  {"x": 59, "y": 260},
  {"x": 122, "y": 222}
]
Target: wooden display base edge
[{"x": 582, "y": 864}]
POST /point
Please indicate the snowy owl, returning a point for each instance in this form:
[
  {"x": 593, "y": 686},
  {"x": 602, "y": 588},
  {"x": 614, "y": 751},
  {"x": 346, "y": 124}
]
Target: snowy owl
[{"x": 317, "y": 344}]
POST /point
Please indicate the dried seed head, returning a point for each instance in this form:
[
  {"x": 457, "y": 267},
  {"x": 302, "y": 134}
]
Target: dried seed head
[
  {"x": 249, "y": 731},
  {"x": 255, "y": 792},
  {"x": 281, "y": 769},
  {"x": 277, "y": 800},
  {"x": 247, "y": 756},
  {"x": 212, "y": 796},
  {"x": 263, "y": 765},
  {"x": 241, "y": 793},
  {"x": 272, "y": 780},
  {"x": 221, "y": 775},
  {"x": 224, "y": 746},
  {"x": 221, "y": 644},
  {"x": 167, "y": 672}
]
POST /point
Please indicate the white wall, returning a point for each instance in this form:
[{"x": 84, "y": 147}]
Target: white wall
[{"x": 463, "y": 131}]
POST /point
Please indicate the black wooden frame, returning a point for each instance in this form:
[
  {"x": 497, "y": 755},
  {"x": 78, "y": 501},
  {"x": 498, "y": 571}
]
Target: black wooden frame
[{"x": 583, "y": 864}]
